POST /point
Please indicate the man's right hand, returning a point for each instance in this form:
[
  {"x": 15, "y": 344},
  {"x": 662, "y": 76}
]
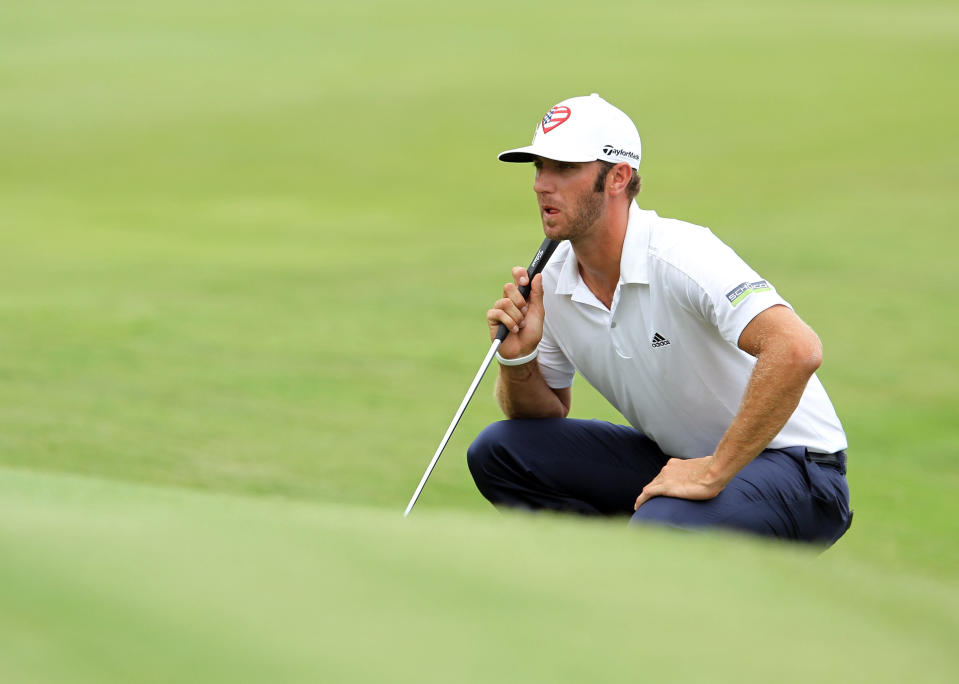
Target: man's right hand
[{"x": 523, "y": 319}]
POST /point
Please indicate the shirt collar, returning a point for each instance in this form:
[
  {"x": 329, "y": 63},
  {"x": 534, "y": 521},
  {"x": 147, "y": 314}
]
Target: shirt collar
[{"x": 632, "y": 265}]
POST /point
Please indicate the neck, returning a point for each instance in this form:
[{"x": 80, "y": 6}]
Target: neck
[{"x": 600, "y": 251}]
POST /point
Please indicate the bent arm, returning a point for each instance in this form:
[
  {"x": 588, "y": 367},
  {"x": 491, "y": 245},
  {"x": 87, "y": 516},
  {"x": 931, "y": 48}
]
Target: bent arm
[
  {"x": 787, "y": 353},
  {"x": 522, "y": 392}
]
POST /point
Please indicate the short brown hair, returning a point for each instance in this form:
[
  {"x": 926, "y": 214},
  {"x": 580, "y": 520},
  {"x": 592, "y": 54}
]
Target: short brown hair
[{"x": 635, "y": 182}]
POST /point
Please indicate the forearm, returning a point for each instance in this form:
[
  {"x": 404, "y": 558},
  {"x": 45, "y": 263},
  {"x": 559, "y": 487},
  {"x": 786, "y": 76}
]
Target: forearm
[
  {"x": 772, "y": 395},
  {"x": 522, "y": 392}
]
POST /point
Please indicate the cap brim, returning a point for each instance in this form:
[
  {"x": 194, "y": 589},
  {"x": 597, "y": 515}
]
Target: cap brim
[
  {"x": 531, "y": 153},
  {"x": 521, "y": 155}
]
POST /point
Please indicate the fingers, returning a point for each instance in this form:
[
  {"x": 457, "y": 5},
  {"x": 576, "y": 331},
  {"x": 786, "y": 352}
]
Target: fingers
[
  {"x": 513, "y": 303},
  {"x": 536, "y": 295},
  {"x": 511, "y": 310},
  {"x": 506, "y": 313},
  {"x": 520, "y": 276},
  {"x": 511, "y": 294},
  {"x": 654, "y": 488},
  {"x": 521, "y": 317},
  {"x": 683, "y": 479}
]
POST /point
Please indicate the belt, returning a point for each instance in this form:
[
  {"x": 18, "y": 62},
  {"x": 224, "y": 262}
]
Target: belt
[{"x": 836, "y": 460}]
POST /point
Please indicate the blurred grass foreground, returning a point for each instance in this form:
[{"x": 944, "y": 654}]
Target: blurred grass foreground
[{"x": 245, "y": 251}]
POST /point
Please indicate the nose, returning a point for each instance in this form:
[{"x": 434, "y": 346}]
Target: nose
[{"x": 542, "y": 182}]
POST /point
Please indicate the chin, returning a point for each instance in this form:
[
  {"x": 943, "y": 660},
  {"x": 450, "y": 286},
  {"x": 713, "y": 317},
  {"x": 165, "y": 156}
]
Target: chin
[{"x": 553, "y": 232}]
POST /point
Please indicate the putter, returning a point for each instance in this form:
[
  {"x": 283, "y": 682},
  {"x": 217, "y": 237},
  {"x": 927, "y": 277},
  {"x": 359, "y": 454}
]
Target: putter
[{"x": 536, "y": 266}]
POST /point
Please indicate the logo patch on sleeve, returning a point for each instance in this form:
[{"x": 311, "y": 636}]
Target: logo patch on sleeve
[{"x": 743, "y": 290}]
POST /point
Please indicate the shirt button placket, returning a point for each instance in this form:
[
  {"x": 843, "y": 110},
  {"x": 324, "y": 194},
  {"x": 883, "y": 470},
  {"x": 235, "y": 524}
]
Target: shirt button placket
[{"x": 617, "y": 343}]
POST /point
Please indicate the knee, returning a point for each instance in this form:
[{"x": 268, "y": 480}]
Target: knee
[
  {"x": 669, "y": 512},
  {"x": 485, "y": 459},
  {"x": 481, "y": 453}
]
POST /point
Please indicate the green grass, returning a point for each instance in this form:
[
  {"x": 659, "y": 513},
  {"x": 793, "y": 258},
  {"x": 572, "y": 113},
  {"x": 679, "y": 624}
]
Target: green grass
[
  {"x": 166, "y": 583},
  {"x": 247, "y": 248}
]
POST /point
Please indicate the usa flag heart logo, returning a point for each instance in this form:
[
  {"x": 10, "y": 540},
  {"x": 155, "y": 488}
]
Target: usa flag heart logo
[{"x": 555, "y": 117}]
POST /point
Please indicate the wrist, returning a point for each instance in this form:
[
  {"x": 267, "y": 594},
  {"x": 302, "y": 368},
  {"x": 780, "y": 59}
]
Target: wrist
[
  {"x": 518, "y": 361},
  {"x": 719, "y": 472}
]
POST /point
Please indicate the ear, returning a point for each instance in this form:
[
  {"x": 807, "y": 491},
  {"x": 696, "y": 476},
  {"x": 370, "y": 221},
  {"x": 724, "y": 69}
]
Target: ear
[{"x": 618, "y": 178}]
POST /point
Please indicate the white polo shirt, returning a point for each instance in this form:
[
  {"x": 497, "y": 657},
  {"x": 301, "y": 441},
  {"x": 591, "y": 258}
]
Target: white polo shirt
[{"x": 666, "y": 355}]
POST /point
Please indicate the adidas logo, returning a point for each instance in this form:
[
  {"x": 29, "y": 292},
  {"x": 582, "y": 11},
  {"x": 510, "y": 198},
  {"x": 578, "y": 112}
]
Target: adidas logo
[{"x": 659, "y": 341}]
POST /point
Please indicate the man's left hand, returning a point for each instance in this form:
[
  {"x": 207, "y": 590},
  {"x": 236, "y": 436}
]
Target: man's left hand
[{"x": 684, "y": 479}]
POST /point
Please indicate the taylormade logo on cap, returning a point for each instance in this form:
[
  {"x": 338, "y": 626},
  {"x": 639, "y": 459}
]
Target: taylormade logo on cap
[
  {"x": 582, "y": 129},
  {"x": 611, "y": 151}
]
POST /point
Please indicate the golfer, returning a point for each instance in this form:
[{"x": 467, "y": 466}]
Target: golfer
[{"x": 729, "y": 427}]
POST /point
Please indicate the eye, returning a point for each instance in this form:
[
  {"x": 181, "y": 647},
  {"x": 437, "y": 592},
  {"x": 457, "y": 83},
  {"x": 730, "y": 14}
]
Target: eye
[{"x": 538, "y": 164}]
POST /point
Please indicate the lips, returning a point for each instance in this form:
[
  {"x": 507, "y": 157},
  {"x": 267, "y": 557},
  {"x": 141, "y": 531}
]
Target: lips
[{"x": 549, "y": 209}]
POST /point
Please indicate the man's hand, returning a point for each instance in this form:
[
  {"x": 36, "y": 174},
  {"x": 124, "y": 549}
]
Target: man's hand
[
  {"x": 522, "y": 391},
  {"x": 523, "y": 319},
  {"x": 684, "y": 479}
]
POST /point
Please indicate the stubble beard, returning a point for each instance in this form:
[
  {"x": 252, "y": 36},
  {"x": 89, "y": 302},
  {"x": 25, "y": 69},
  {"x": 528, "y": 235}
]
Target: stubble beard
[{"x": 588, "y": 210}]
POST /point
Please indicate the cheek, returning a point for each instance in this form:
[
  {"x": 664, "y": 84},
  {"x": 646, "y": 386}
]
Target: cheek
[{"x": 583, "y": 197}]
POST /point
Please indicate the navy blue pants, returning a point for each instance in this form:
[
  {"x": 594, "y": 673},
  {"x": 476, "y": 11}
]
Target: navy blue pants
[{"x": 593, "y": 467}]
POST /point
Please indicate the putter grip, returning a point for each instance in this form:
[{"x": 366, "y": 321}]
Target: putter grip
[{"x": 535, "y": 266}]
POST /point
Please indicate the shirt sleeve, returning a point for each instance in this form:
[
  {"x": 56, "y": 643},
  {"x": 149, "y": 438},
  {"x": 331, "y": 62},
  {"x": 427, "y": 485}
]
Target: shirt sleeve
[
  {"x": 556, "y": 368},
  {"x": 723, "y": 288}
]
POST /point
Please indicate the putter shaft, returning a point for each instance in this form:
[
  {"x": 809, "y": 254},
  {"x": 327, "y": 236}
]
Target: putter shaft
[
  {"x": 456, "y": 419},
  {"x": 536, "y": 266}
]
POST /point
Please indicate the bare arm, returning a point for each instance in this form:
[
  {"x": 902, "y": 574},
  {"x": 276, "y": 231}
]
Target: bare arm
[
  {"x": 787, "y": 353},
  {"x": 522, "y": 391}
]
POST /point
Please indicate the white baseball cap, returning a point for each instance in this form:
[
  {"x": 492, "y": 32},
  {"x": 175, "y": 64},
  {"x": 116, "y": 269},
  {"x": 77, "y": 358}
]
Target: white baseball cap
[{"x": 582, "y": 129}]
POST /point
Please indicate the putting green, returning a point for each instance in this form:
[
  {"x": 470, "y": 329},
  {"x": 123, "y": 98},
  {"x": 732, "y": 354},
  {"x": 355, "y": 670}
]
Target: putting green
[
  {"x": 245, "y": 251},
  {"x": 107, "y": 582}
]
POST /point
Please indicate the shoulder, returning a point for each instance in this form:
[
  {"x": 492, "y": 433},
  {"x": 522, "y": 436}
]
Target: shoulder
[
  {"x": 672, "y": 240},
  {"x": 681, "y": 248}
]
